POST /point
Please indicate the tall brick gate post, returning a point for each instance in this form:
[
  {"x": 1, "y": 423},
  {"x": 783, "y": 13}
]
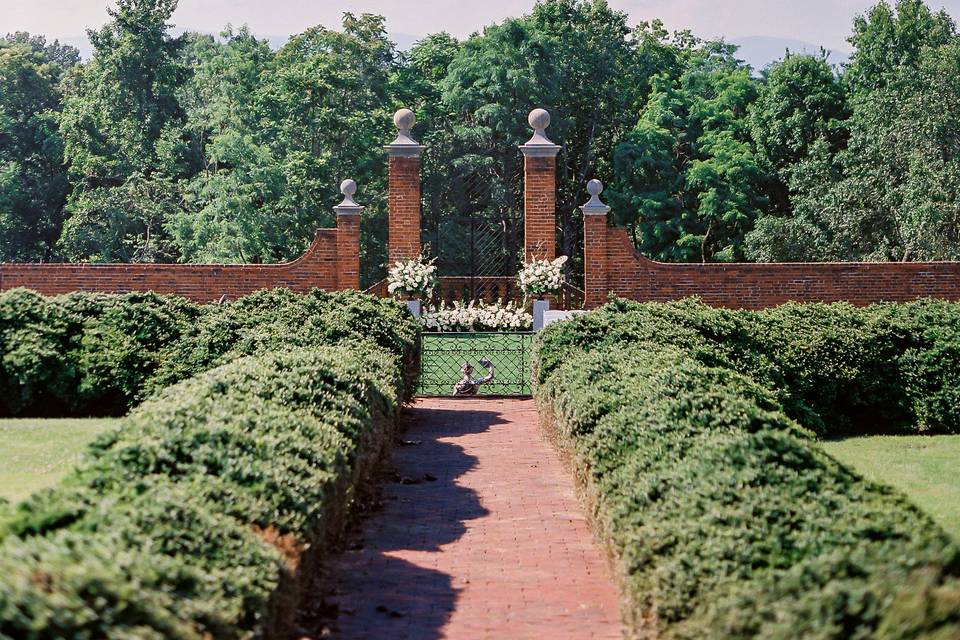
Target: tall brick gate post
[
  {"x": 594, "y": 247},
  {"x": 348, "y": 238},
  {"x": 404, "y": 190},
  {"x": 539, "y": 190}
]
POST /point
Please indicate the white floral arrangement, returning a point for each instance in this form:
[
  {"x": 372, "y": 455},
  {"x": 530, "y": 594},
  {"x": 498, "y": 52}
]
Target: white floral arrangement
[
  {"x": 477, "y": 317},
  {"x": 416, "y": 278},
  {"x": 540, "y": 277}
]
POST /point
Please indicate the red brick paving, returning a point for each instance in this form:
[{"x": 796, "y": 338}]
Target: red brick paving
[{"x": 495, "y": 547}]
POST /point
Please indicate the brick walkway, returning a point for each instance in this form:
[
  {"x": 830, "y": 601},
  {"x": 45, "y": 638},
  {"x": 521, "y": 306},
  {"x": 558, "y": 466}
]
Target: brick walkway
[{"x": 480, "y": 537}]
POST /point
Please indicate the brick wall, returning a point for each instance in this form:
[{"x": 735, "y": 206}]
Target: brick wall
[
  {"x": 404, "y": 201},
  {"x": 331, "y": 262},
  {"x": 348, "y": 251},
  {"x": 755, "y": 286},
  {"x": 539, "y": 207}
]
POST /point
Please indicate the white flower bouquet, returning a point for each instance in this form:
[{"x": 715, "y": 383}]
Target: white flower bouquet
[
  {"x": 414, "y": 278},
  {"x": 541, "y": 277},
  {"x": 477, "y": 317}
]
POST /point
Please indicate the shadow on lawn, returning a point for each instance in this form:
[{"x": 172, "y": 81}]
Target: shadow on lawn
[{"x": 373, "y": 593}]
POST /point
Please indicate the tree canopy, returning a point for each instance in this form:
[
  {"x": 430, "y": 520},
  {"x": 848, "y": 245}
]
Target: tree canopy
[{"x": 198, "y": 148}]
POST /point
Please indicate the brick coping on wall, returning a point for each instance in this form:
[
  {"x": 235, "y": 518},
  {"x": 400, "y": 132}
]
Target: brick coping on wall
[
  {"x": 753, "y": 285},
  {"x": 328, "y": 263}
]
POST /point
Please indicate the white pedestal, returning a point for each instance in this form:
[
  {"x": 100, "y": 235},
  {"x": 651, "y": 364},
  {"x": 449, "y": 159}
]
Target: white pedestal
[
  {"x": 413, "y": 306},
  {"x": 539, "y": 308}
]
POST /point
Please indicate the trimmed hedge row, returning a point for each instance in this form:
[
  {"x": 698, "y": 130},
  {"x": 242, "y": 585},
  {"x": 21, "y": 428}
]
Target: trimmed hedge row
[
  {"x": 201, "y": 514},
  {"x": 838, "y": 369},
  {"x": 99, "y": 354},
  {"x": 726, "y": 518}
]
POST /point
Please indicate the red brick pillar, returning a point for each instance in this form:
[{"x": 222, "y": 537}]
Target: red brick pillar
[
  {"x": 539, "y": 190},
  {"x": 348, "y": 238},
  {"x": 595, "y": 257},
  {"x": 403, "y": 227}
]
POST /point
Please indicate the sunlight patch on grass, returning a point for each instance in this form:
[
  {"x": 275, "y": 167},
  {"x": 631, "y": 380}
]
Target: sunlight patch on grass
[
  {"x": 922, "y": 467},
  {"x": 36, "y": 453}
]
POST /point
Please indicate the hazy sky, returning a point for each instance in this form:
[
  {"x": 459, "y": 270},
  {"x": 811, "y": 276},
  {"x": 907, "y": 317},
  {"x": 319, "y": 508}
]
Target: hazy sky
[{"x": 821, "y": 22}]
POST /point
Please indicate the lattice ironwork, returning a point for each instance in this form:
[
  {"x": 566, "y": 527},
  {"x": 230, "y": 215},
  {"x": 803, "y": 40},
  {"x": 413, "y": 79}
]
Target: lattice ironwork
[
  {"x": 471, "y": 227},
  {"x": 443, "y": 354}
]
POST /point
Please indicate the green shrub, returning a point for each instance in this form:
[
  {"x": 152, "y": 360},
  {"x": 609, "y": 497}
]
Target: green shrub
[
  {"x": 726, "y": 519},
  {"x": 199, "y": 516},
  {"x": 37, "y": 362},
  {"x": 99, "y": 354},
  {"x": 836, "y": 368}
]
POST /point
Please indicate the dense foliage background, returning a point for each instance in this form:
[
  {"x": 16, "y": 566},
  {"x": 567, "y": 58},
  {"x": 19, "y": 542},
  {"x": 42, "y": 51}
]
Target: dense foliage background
[
  {"x": 195, "y": 148},
  {"x": 204, "y": 513},
  {"x": 693, "y": 432}
]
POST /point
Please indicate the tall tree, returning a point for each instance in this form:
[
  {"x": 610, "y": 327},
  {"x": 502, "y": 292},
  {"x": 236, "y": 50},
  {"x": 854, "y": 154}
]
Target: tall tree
[
  {"x": 290, "y": 127},
  {"x": 116, "y": 109},
  {"x": 800, "y": 101},
  {"x": 687, "y": 182},
  {"x": 578, "y": 59},
  {"x": 33, "y": 179},
  {"x": 886, "y": 39},
  {"x": 891, "y": 193}
]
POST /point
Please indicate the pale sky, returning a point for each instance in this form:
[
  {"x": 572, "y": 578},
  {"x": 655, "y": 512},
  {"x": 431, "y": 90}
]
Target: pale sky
[{"x": 821, "y": 22}]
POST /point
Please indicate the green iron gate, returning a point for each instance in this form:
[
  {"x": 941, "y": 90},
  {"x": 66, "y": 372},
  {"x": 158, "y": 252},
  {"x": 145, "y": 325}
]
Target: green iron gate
[{"x": 442, "y": 355}]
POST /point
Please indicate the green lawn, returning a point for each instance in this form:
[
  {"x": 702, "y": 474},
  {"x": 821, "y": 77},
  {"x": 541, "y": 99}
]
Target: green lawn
[
  {"x": 36, "y": 453},
  {"x": 923, "y": 467}
]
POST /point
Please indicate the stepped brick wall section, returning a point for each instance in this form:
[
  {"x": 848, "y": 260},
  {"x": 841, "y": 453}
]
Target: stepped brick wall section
[
  {"x": 756, "y": 286},
  {"x": 404, "y": 201},
  {"x": 330, "y": 263},
  {"x": 539, "y": 207}
]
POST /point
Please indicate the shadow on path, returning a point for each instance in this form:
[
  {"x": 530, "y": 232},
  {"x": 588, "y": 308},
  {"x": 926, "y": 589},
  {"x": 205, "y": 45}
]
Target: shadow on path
[{"x": 373, "y": 593}]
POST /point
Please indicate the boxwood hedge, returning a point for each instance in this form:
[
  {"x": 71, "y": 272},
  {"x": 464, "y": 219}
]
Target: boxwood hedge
[
  {"x": 693, "y": 431},
  {"x": 201, "y": 514}
]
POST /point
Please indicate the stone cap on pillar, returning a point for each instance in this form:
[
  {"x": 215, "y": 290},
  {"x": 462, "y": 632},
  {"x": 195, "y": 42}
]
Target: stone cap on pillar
[
  {"x": 594, "y": 207},
  {"x": 404, "y": 145},
  {"x": 349, "y": 206},
  {"x": 539, "y": 145}
]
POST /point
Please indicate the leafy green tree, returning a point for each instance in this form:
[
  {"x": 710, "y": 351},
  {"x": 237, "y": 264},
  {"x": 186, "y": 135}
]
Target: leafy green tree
[
  {"x": 578, "y": 59},
  {"x": 892, "y": 192},
  {"x": 33, "y": 181},
  {"x": 886, "y": 39},
  {"x": 116, "y": 109},
  {"x": 287, "y": 129},
  {"x": 800, "y": 101},
  {"x": 687, "y": 182},
  {"x": 227, "y": 172}
]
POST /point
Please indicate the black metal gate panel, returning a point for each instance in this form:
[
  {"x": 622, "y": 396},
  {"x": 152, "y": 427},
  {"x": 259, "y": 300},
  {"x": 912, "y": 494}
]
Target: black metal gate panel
[{"x": 443, "y": 354}]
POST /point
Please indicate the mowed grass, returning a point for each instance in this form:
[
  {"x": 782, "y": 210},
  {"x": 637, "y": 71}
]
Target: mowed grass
[
  {"x": 444, "y": 353},
  {"x": 36, "y": 453},
  {"x": 924, "y": 467}
]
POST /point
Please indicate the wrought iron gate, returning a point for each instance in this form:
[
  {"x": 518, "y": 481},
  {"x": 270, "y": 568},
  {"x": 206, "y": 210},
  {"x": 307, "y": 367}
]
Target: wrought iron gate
[
  {"x": 472, "y": 226},
  {"x": 442, "y": 355}
]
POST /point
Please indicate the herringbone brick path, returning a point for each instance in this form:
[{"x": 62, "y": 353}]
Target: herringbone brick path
[{"x": 480, "y": 537}]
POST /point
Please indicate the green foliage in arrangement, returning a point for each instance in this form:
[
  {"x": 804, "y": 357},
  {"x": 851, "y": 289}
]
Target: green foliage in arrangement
[
  {"x": 694, "y": 429},
  {"x": 190, "y": 519}
]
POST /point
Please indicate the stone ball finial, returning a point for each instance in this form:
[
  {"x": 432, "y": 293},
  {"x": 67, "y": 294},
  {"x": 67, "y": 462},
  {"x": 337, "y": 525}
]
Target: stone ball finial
[
  {"x": 594, "y": 206},
  {"x": 348, "y": 187},
  {"x": 404, "y": 119},
  {"x": 539, "y": 119}
]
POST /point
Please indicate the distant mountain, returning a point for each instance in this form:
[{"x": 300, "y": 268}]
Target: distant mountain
[{"x": 760, "y": 51}]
